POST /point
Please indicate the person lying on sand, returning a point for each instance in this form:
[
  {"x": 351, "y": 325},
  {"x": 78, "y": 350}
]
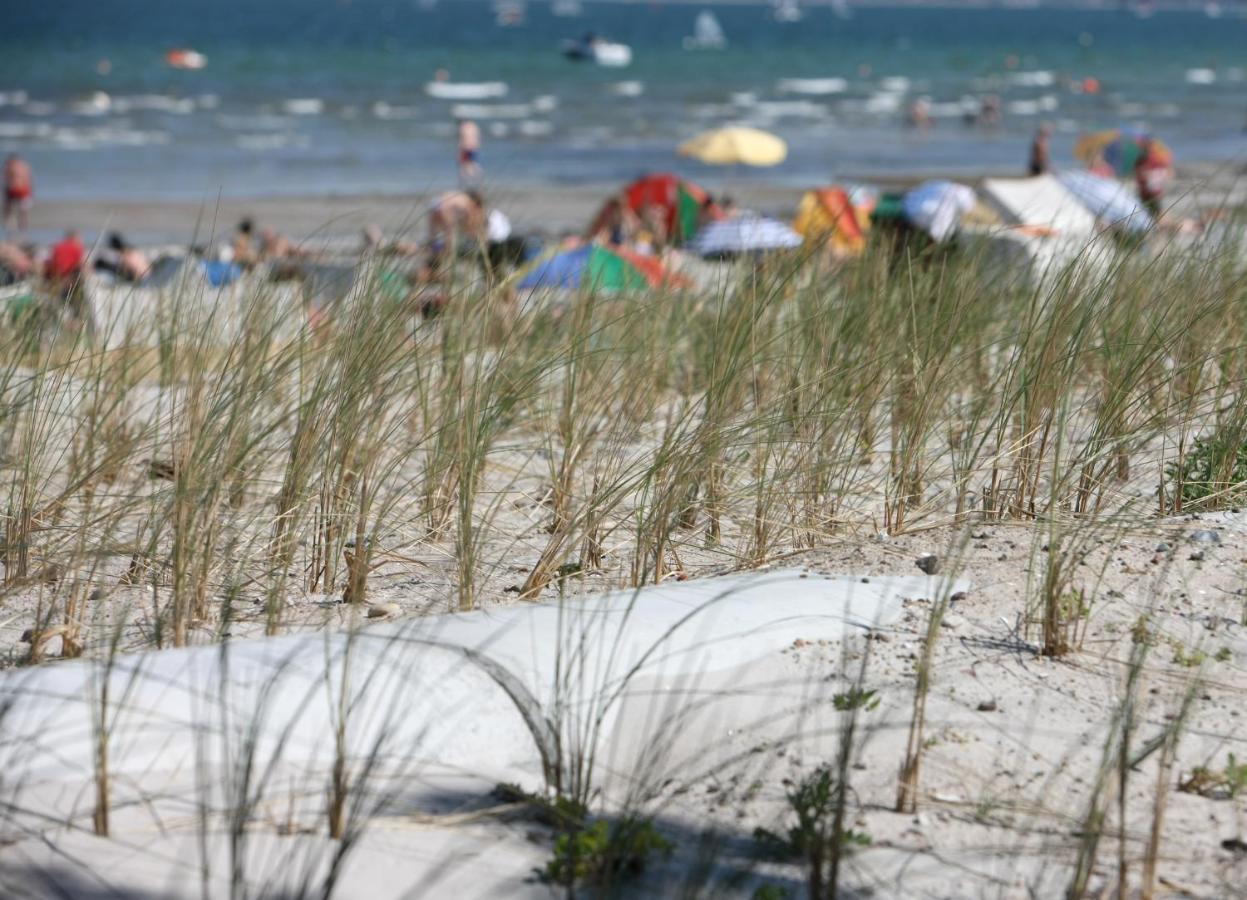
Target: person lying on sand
[
  {"x": 125, "y": 261},
  {"x": 276, "y": 246},
  {"x": 375, "y": 242},
  {"x": 17, "y": 263}
]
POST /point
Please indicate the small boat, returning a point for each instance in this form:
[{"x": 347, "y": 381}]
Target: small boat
[
  {"x": 185, "y": 58},
  {"x": 466, "y": 90},
  {"x": 786, "y": 11},
  {"x": 707, "y": 33},
  {"x": 509, "y": 13},
  {"x": 596, "y": 50}
]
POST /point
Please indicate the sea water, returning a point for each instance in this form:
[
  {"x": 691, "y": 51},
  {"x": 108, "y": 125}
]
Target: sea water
[{"x": 329, "y": 96}]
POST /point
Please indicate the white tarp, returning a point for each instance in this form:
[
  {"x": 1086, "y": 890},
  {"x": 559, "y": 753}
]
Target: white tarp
[
  {"x": 937, "y": 207},
  {"x": 1041, "y": 202}
]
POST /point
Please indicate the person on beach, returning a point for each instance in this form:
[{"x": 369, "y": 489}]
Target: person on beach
[
  {"x": 274, "y": 246},
  {"x": 469, "y": 152},
  {"x": 242, "y": 249},
  {"x": 1041, "y": 154},
  {"x": 64, "y": 264},
  {"x": 19, "y": 191},
  {"x": 1153, "y": 171},
  {"x": 615, "y": 223},
  {"x": 454, "y": 216},
  {"x": 126, "y": 262},
  {"x": 17, "y": 263}
]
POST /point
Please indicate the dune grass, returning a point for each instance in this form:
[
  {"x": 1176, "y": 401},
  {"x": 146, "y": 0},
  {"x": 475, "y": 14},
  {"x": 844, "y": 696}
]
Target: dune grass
[{"x": 236, "y": 470}]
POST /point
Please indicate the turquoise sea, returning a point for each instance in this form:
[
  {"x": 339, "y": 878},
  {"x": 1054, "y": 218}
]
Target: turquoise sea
[{"x": 319, "y": 96}]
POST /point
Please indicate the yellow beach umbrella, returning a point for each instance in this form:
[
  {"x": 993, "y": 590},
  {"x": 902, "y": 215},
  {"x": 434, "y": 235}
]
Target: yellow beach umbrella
[{"x": 736, "y": 145}]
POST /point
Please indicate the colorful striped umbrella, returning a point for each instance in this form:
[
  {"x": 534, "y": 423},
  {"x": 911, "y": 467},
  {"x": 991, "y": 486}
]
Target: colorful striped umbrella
[
  {"x": 680, "y": 200},
  {"x": 1119, "y": 148},
  {"x": 596, "y": 267}
]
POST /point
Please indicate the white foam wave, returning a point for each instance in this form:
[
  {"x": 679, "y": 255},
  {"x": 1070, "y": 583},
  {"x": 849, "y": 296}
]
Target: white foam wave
[
  {"x": 257, "y": 122},
  {"x": 481, "y": 90},
  {"x": 792, "y": 109},
  {"x": 105, "y": 136},
  {"x": 1045, "y": 104},
  {"x": 894, "y": 84},
  {"x": 25, "y": 130},
  {"x": 304, "y": 106},
  {"x": 383, "y": 110},
  {"x": 491, "y": 110},
  {"x": 13, "y": 98},
  {"x": 627, "y": 88},
  {"x": 1201, "y": 76},
  {"x": 813, "y": 86},
  {"x": 39, "y": 108},
  {"x": 154, "y": 103},
  {"x": 533, "y": 128},
  {"x": 260, "y": 142},
  {"x": 97, "y": 103},
  {"x": 1039, "y": 78},
  {"x": 546, "y": 103}
]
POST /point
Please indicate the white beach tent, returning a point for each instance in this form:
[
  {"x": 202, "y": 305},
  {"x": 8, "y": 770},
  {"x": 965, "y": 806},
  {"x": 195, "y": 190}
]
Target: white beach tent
[
  {"x": 1039, "y": 203},
  {"x": 1047, "y": 230}
]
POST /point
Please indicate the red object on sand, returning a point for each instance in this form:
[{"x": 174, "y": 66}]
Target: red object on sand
[{"x": 66, "y": 260}]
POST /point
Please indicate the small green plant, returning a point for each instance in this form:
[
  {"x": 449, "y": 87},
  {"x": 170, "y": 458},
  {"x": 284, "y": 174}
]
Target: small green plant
[
  {"x": 771, "y": 892},
  {"x": 1227, "y": 784},
  {"x": 856, "y": 698},
  {"x": 818, "y": 835},
  {"x": 605, "y": 852},
  {"x": 1224, "y": 655},
  {"x": 1188, "y": 660},
  {"x": 1213, "y": 474}
]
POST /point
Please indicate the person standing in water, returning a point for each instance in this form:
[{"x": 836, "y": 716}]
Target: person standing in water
[
  {"x": 19, "y": 191},
  {"x": 469, "y": 152},
  {"x": 1041, "y": 154}
]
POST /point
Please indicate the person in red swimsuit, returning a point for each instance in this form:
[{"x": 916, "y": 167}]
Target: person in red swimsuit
[{"x": 19, "y": 191}]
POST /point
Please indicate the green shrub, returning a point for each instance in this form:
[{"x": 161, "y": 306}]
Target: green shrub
[{"x": 604, "y": 852}]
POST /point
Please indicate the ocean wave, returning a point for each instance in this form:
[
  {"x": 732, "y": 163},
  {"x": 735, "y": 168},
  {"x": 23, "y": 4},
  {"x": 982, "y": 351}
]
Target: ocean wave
[
  {"x": 97, "y": 103},
  {"x": 535, "y": 128},
  {"x": 270, "y": 141},
  {"x": 491, "y": 110},
  {"x": 546, "y": 103},
  {"x": 38, "y": 108},
  {"x": 105, "y": 136},
  {"x": 153, "y": 103},
  {"x": 304, "y": 106},
  {"x": 894, "y": 84},
  {"x": 256, "y": 122},
  {"x": 13, "y": 98},
  {"x": 791, "y": 109},
  {"x": 25, "y": 130},
  {"x": 814, "y": 86},
  {"x": 627, "y": 88},
  {"x": 1038, "y": 78},
  {"x": 389, "y": 112},
  {"x": 1045, "y": 104},
  {"x": 482, "y": 90},
  {"x": 1201, "y": 76}
]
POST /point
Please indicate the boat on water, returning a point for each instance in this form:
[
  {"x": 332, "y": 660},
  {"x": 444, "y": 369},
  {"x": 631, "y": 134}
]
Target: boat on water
[
  {"x": 592, "y": 48},
  {"x": 185, "y": 58},
  {"x": 466, "y": 90},
  {"x": 510, "y": 13},
  {"x": 786, "y": 11},
  {"x": 707, "y": 33}
]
